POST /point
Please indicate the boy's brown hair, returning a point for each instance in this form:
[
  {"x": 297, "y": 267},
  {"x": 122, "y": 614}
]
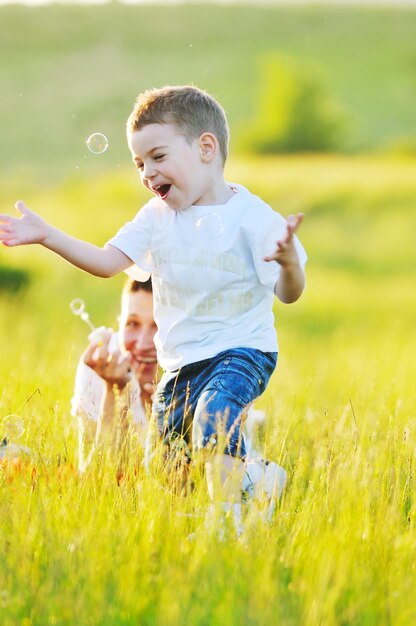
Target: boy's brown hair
[{"x": 192, "y": 110}]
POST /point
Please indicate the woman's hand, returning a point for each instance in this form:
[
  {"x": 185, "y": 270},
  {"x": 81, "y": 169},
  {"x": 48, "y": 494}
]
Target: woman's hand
[{"x": 113, "y": 367}]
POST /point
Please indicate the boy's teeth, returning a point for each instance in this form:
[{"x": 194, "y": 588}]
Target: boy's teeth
[{"x": 161, "y": 190}]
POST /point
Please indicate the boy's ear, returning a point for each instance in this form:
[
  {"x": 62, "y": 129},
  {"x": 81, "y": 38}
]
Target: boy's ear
[{"x": 208, "y": 147}]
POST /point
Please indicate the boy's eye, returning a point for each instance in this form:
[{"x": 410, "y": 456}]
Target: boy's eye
[
  {"x": 139, "y": 166},
  {"x": 157, "y": 157}
]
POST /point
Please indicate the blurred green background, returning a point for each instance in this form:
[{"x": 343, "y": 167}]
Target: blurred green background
[{"x": 68, "y": 71}]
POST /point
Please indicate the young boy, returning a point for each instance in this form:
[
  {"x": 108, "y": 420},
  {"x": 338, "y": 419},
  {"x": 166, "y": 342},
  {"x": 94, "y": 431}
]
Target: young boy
[{"x": 204, "y": 242}]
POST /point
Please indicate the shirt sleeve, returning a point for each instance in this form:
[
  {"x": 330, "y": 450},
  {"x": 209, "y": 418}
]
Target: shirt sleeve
[
  {"x": 270, "y": 229},
  {"x": 88, "y": 393},
  {"x": 138, "y": 274},
  {"x": 134, "y": 239}
]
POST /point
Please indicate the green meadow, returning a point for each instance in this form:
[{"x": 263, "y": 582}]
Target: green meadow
[{"x": 341, "y": 548}]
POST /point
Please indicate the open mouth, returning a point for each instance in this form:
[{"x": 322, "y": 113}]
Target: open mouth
[
  {"x": 145, "y": 360},
  {"x": 162, "y": 191}
]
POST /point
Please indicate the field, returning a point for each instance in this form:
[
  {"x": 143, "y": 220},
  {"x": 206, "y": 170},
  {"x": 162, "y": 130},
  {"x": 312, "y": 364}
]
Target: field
[{"x": 341, "y": 549}]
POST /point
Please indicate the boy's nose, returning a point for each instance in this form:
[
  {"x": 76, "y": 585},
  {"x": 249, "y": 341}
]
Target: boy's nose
[{"x": 148, "y": 172}]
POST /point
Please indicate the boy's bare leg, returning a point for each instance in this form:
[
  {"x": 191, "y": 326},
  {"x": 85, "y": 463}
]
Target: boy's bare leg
[{"x": 224, "y": 475}]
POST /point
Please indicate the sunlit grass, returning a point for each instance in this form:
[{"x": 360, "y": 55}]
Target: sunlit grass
[{"x": 340, "y": 418}]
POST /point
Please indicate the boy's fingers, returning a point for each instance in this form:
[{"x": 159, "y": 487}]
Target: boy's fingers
[
  {"x": 294, "y": 221},
  {"x": 21, "y": 207},
  {"x": 273, "y": 257},
  {"x": 292, "y": 224}
]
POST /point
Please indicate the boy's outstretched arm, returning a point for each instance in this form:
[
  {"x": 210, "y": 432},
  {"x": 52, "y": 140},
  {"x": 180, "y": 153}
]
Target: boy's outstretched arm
[
  {"x": 291, "y": 281},
  {"x": 30, "y": 228}
]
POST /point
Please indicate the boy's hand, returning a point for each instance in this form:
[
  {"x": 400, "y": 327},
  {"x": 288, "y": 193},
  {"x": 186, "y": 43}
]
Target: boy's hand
[
  {"x": 285, "y": 253},
  {"x": 291, "y": 281},
  {"x": 18, "y": 231}
]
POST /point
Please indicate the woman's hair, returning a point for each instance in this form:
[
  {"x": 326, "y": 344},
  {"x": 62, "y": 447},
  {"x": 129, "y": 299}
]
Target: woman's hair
[
  {"x": 132, "y": 286},
  {"x": 191, "y": 110}
]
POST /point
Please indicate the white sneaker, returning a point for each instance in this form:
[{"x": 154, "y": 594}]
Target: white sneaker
[{"x": 264, "y": 481}]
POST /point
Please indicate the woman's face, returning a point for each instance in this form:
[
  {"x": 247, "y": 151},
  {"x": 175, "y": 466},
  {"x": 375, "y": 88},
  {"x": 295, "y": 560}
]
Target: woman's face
[{"x": 137, "y": 329}]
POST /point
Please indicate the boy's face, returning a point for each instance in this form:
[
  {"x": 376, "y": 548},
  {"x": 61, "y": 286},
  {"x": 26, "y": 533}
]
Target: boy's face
[{"x": 170, "y": 166}]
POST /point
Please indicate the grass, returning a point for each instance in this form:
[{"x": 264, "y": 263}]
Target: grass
[
  {"x": 68, "y": 71},
  {"x": 340, "y": 419}
]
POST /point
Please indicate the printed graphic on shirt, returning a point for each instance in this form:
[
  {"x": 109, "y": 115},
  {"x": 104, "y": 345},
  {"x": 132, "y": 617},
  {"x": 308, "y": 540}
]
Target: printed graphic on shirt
[
  {"x": 222, "y": 303},
  {"x": 200, "y": 258}
]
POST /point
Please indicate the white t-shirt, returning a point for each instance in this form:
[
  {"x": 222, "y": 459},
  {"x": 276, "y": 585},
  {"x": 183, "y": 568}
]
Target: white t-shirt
[{"x": 212, "y": 291}]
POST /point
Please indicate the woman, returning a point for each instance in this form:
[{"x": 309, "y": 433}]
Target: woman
[{"x": 117, "y": 369}]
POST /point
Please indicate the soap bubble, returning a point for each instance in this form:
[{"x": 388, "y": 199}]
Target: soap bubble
[
  {"x": 11, "y": 428},
  {"x": 210, "y": 226},
  {"x": 97, "y": 143}
]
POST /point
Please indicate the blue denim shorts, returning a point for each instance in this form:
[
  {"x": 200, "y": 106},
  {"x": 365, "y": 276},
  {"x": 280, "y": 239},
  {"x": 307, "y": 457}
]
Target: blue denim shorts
[{"x": 204, "y": 401}]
